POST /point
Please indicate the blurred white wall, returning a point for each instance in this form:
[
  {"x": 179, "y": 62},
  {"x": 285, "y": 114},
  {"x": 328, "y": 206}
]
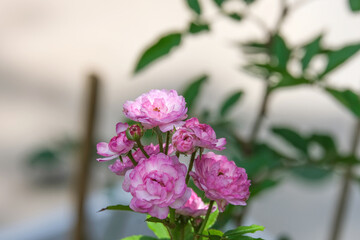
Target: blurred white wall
[{"x": 47, "y": 47}]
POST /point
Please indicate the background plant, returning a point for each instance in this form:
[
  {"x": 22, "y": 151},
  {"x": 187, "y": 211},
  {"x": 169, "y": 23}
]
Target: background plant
[{"x": 272, "y": 60}]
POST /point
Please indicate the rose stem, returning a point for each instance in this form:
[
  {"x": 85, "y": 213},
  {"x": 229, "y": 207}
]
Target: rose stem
[
  {"x": 167, "y": 142},
  {"x": 191, "y": 164},
  {"x": 344, "y": 195},
  {"x": 172, "y": 215},
  {"x": 142, "y": 148},
  {"x": 177, "y": 154},
  {"x": 132, "y": 158},
  {"x": 206, "y": 218},
  {"x": 160, "y": 139}
]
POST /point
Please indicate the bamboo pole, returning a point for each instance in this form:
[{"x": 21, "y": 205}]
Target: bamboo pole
[{"x": 85, "y": 157}]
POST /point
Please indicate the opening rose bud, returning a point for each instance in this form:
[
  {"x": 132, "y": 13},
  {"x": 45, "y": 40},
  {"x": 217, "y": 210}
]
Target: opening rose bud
[{"x": 135, "y": 132}]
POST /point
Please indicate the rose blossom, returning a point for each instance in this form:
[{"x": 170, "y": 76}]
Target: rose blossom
[
  {"x": 194, "y": 207},
  {"x": 117, "y": 146},
  {"x": 205, "y": 134},
  {"x": 162, "y": 108},
  {"x": 221, "y": 180},
  {"x": 156, "y": 184},
  {"x": 184, "y": 140},
  {"x": 120, "y": 168}
]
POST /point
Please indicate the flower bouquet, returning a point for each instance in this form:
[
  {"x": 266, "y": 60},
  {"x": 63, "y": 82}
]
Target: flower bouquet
[{"x": 159, "y": 182}]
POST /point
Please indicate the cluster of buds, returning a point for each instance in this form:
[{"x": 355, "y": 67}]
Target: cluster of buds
[{"x": 156, "y": 179}]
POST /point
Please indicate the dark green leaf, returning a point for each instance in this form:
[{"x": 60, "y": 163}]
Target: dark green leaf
[
  {"x": 212, "y": 219},
  {"x": 157, "y": 50},
  {"x": 192, "y": 91},
  {"x": 139, "y": 237},
  {"x": 44, "y": 158},
  {"x": 310, "y": 172},
  {"x": 154, "y": 220},
  {"x": 219, "y": 2},
  {"x": 338, "y": 57},
  {"x": 230, "y": 102},
  {"x": 198, "y": 27},
  {"x": 243, "y": 238},
  {"x": 292, "y": 138},
  {"x": 249, "y": 1},
  {"x": 117, "y": 207},
  {"x": 354, "y": 5},
  {"x": 348, "y": 99},
  {"x": 239, "y": 231},
  {"x": 254, "y": 47},
  {"x": 280, "y": 51},
  {"x": 286, "y": 80},
  {"x": 158, "y": 228},
  {"x": 194, "y": 5},
  {"x": 327, "y": 144},
  {"x": 235, "y": 16},
  {"x": 311, "y": 49}
]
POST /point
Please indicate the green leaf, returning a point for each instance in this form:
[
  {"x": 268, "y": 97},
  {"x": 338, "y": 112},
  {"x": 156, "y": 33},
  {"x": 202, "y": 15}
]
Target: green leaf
[
  {"x": 293, "y": 138},
  {"x": 219, "y": 2},
  {"x": 192, "y": 91},
  {"x": 239, "y": 231},
  {"x": 243, "y": 238},
  {"x": 338, "y": 57},
  {"x": 230, "y": 102},
  {"x": 254, "y": 47},
  {"x": 212, "y": 219},
  {"x": 311, "y": 172},
  {"x": 249, "y": 1},
  {"x": 288, "y": 80},
  {"x": 117, "y": 207},
  {"x": 44, "y": 158},
  {"x": 194, "y": 5},
  {"x": 214, "y": 234},
  {"x": 158, "y": 228},
  {"x": 348, "y": 99},
  {"x": 157, "y": 50},
  {"x": 327, "y": 144},
  {"x": 139, "y": 237},
  {"x": 198, "y": 27},
  {"x": 354, "y": 5},
  {"x": 311, "y": 49},
  {"x": 235, "y": 16},
  {"x": 280, "y": 51}
]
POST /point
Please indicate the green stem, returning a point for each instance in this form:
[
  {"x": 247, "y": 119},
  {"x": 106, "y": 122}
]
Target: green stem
[
  {"x": 177, "y": 154},
  {"x": 132, "y": 158},
  {"x": 167, "y": 142},
  {"x": 142, "y": 148},
  {"x": 172, "y": 215},
  {"x": 160, "y": 139},
  {"x": 206, "y": 218},
  {"x": 191, "y": 164},
  {"x": 344, "y": 194}
]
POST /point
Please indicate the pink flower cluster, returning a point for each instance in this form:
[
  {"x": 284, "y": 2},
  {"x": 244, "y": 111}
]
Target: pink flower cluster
[
  {"x": 154, "y": 176},
  {"x": 221, "y": 180},
  {"x": 194, "y": 134}
]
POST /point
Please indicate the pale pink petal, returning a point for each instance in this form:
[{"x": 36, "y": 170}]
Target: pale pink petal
[
  {"x": 103, "y": 149},
  {"x": 159, "y": 212},
  {"x": 121, "y": 127},
  {"x": 181, "y": 201}
]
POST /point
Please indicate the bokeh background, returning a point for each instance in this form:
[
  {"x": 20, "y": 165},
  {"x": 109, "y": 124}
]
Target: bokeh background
[{"x": 47, "y": 48}]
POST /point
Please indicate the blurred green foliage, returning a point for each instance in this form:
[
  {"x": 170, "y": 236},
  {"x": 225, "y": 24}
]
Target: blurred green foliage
[{"x": 269, "y": 60}]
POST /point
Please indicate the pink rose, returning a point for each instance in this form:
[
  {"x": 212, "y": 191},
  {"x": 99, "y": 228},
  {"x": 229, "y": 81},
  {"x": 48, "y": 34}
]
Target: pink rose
[
  {"x": 184, "y": 140},
  {"x": 157, "y": 108},
  {"x": 194, "y": 207},
  {"x": 117, "y": 146},
  {"x": 120, "y": 168},
  {"x": 205, "y": 134},
  {"x": 156, "y": 184},
  {"x": 221, "y": 180}
]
